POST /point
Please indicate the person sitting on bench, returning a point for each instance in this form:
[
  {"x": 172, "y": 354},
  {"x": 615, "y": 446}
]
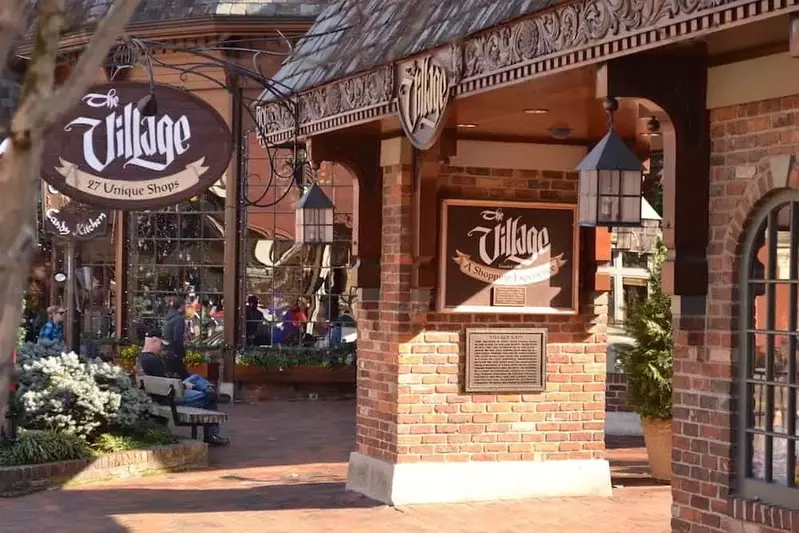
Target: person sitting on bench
[{"x": 199, "y": 392}]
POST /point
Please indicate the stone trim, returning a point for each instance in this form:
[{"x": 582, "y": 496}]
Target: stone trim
[
  {"x": 21, "y": 480},
  {"x": 572, "y": 35}
]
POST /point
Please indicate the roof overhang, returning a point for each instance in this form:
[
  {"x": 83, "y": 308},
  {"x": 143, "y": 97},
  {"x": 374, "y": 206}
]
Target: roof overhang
[
  {"x": 571, "y": 35},
  {"x": 198, "y": 27}
]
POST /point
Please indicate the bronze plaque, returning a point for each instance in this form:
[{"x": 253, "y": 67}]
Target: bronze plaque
[
  {"x": 508, "y": 257},
  {"x": 510, "y": 296},
  {"x": 505, "y": 359},
  {"x": 113, "y": 150}
]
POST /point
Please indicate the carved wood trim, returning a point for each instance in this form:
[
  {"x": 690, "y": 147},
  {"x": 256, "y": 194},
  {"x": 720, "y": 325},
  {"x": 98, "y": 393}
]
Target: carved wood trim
[{"x": 572, "y": 35}]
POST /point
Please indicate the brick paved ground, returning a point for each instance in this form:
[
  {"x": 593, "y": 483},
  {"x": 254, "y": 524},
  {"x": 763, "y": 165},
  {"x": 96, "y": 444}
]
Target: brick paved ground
[{"x": 285, "y": 472}]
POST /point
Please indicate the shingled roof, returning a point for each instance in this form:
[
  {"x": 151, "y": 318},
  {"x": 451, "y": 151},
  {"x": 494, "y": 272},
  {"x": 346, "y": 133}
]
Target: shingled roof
[
  {"x": 352, "y": 36},
  {"x": 87, "y": 12}
]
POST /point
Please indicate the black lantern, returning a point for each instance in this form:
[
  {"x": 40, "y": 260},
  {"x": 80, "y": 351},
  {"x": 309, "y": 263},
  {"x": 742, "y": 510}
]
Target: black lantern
[
  {"x": 314, "y": 217},
  {"x": 610, "y": 181}
]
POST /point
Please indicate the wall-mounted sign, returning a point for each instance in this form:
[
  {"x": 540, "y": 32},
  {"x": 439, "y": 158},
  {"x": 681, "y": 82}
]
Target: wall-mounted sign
[
  {"x": 424, "y": 86},
  {"x": 66, "y": 218},
  {"x": 508, "y": 257},
  {"x": 107, "y": 154},
  {"x": 505, "y": 359}
]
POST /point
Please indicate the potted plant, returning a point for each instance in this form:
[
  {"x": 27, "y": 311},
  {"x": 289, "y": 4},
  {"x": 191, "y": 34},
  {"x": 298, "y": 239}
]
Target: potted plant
[
  {"x": 197, "y": 363},
  {"x": 128, "y": 356},
  {"x": 297, "y": 364},
  {"x": 647, "y": 367}
]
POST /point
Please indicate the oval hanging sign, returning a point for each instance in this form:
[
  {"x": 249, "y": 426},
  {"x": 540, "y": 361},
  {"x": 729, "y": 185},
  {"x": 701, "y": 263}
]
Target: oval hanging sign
[{"x": 106, "y": 153}]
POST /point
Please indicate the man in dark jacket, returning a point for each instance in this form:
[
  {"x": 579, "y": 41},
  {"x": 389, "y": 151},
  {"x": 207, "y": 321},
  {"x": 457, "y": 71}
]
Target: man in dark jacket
[
  {"x": 198, "y": 391},
  {"x": 174, "y": 330}
]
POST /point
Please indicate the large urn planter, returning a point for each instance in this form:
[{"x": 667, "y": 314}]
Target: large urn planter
[
  {"x": 298, "y": 374},
  {"x": 657, "y": 437}
]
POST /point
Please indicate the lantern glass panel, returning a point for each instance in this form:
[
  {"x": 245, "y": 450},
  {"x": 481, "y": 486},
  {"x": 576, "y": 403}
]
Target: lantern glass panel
[
  {"x": 609, "y": 182},
  {"x": 631, "y": 210},
  {"x": 608, "y": 209},
  {"x": 587, "y": 197},
  {"x": 631, "y": 183}
]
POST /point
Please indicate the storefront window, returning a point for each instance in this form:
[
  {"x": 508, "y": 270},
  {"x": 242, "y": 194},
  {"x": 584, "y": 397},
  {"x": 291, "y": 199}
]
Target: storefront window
[
  {"x": 296, "y": 295},
  {"x": 769, "y": 331},
  {"x": 96, "y": 287},
  {"x": 178, "y": 251}
]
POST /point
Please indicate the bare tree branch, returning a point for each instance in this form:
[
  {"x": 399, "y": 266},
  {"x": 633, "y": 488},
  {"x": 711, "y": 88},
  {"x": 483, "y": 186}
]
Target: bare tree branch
[
  {"x": 82, "y": 75},
  {"x": 39, "y": 108},
  {"x": 12, "y": 15}
]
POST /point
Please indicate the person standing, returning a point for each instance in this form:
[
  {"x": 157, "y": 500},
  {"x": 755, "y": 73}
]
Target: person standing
[
  {"x": 53, "y": 330},
  {"x": 174, "y": 330}
]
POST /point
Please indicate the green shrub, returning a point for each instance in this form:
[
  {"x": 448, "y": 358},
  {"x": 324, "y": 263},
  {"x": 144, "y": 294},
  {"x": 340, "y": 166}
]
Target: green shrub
[
  {"x": 648, "y": 364},
  {"x": 30, "y": 351},
  {"x": 85, "y": 398},
  {"x": 144, "y": 437},
  {"x": 37, "y": 447},
  {"x": 291, "y": 356}
]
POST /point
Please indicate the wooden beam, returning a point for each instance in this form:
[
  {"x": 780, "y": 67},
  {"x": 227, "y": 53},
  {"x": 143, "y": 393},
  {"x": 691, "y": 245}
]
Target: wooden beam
[
  {"x": 793, "y": 36},
  {"x": 361, "y": 155},
  {"x": 676, "y": 85}
]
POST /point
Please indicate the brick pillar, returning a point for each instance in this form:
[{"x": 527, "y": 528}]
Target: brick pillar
[{"x": 420, "y": 438}]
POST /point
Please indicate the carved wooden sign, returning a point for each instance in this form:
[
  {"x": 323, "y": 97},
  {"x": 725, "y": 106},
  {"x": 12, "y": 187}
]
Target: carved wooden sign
[
  {"x": 424, "y": 87},
  {"x": 508, "y": 257},
  {"x": 107, "y": 153},
  {"x": 66, "y": 218}
]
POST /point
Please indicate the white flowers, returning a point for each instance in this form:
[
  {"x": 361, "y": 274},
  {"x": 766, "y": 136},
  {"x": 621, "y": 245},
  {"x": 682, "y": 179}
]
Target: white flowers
[{"x": 67, "y": 393}]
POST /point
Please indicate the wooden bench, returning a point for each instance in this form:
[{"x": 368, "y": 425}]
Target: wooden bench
[{"x": 168, "y": 389}]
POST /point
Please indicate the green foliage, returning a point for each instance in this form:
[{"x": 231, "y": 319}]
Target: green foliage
[
  {"x": 196, "y": 358},
  {"x": 84, "y": 398},
  {"x": 140, "y": 439},
  {"x": 37, "y": 447},
  {"x": 43, "y": 349},
  {"x": 291, "y": 356},
  {"x": 129, "y": 355},
  {"x": 648, "y": 364}
]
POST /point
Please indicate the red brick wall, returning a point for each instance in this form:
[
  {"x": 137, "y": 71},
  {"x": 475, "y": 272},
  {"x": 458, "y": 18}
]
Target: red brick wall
[
  {"x": 424, "y": 404},
  {"x": 617, "y": 396},
  {"x": 743, "y": 138}
]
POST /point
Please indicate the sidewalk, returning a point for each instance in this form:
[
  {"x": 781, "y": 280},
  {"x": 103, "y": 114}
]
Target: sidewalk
[{"x": 286, "y": 471}]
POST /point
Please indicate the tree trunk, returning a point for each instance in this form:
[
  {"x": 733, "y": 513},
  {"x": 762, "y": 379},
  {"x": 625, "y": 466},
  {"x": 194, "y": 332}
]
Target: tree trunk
[{"x": 40, "y": 106}]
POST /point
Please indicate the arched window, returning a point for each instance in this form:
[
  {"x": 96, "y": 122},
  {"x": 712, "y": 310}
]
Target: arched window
[{"x": 769, "y": 343}]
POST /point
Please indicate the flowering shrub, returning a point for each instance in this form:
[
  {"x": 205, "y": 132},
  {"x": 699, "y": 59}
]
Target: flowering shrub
[
  {"x": 30, "y": 351},
  {"x": 65, "y": 393}
]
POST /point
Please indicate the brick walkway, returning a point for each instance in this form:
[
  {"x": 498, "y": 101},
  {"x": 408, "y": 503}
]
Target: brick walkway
[{"x": 286, "y": 471}]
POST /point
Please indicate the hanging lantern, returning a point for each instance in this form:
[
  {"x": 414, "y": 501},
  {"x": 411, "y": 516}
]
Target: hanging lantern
[
  {"x": 610, "y": 181},
  {"x": 314, "y": 217}
]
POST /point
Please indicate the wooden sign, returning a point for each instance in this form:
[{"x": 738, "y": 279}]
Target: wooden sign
[
  {"x": 66, "y": 218},
  {"x": 107, "y": 154},
  {"x": 424, "y": 87},
  {"x": 508, "y": 257}
]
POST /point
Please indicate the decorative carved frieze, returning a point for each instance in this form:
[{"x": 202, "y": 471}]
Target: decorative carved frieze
[
  {"x": 358, "y": 92},
  {"x": 576, "y": 33},
  {"x": 571, "y": 27}
]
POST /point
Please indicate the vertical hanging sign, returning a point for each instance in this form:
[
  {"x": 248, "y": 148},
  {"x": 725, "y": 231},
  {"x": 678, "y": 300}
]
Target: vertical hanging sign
[{"x": 424, "y": 87}]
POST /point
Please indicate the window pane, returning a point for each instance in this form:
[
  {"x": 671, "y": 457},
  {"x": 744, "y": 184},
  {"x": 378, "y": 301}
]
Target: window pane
[
  {"x": 298, "y": 293},
  {"x": 184, "y": 257},
  {"x": 779, "y": 461},
  {"x": 758, "y": 457},
  {"x": 635, "y": 260},
  {"x": 780, "y": 410}
]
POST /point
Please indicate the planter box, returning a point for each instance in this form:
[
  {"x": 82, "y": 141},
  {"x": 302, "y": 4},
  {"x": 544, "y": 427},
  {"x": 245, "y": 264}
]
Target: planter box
[
  {"x": 20, "y": 480},
  {"x": 209, "y": 371},
  {"x": 295, "y": 375}
]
